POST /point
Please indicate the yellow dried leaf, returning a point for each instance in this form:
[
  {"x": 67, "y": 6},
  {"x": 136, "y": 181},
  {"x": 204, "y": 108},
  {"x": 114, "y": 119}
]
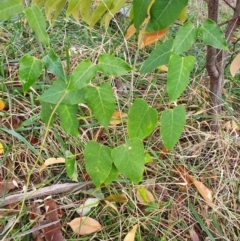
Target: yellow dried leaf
[
  {"x": 132, "y": 30},
  {"x": 1, "y": 148},
  {"x": 163, "y": 69},
  {"x": 131, "y": 235},
  {"x": 235, "y": 65},
  {"x": 117, "y": 118},
  {"x": 205, "y": 192},
  {"x": 118, "y": 198},
  {"x": 51, "y": 161},
  {"x": 85, "y": 225},
  {"x": 2, "y": 104}
]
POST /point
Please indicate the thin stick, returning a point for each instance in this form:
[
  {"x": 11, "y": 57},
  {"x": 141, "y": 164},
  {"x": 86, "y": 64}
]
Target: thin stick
[{"x": 45, "y": 191}]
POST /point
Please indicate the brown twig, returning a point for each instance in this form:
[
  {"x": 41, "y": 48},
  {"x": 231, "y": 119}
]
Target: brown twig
[{"x": 45, "y": 191}]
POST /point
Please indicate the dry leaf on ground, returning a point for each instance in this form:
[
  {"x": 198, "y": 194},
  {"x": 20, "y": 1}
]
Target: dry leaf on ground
[
  {"x": 6, "y": 186},
  {"x": 131, "y": 235},
  {"x": 53, "y": 232},
  {"x": 51, "y": 161},
  {"x": 193, "y": 235},
  {"x": 117, "y": 118},
  {"x": 2, "y": 104},
  {"x": 235, "y": 65},
  {"x": 118, "y": 198},
  {"x": 87, "y": 206},
  {"x": 1, "y": 148},
  {"x": 85, "y": 225},
  {"x": 205, "y": 192}
]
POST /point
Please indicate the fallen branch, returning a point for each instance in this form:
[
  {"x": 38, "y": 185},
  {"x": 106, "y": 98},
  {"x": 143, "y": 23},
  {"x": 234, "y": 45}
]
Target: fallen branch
[{"x": 45, "y": 191}]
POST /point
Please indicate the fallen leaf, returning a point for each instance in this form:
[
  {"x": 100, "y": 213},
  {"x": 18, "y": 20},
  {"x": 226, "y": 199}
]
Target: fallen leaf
[
  {"x": 193, "y": 235},
  {"x": 117, "y": 118},
  {"x": 2, "y": 104},
  {"x": 205, "y": 192},
  {"x": 184, "y": 174},
  {"x": 51, "y": 161},
  {"x": 87, "y": 206},
  {"x": 118, "y": 198},
  {"x": 235, "y": 65},
  {"x": 145, "y": 39},
  {"x": 163, "y": 69},
  {"x": 144, "y": 196},
  {"x": 131, "y": 235},
  {"x": 85, "y": 225},
  {"x": 6, "y": 186},
  {"x": 111, "y": 205},
  {"x": 52, "y": 232},
  {"x": 9, "y": 224},
  {"x": 1, "y": 148}
]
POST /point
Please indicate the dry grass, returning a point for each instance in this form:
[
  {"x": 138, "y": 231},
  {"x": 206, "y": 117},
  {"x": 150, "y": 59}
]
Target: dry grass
[{"x": 211, "y": 158}]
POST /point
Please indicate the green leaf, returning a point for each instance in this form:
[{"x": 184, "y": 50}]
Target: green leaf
[
  {"x": 98, "y": 162},
  {"x": 46, "y": 112},
  {"x": 163, "y": 13},
  {"x": 112, "y": 175},
  {"x": 116, "y": 7},
  {"x": 85, "y": 10},
  {"x": 58, "y": 92},
  {"x": 142, "y": 119},
  {"x": 29, "y": 71},
  {"x": 102, "y": 102},
  {"x": 179, "y": 70},
  {"x": 71, "y": 166},
  {"x": 172, "y": 124},
  {"x": 185, "y": 37},
  {"x": 9, "y": 8},
  {"x": 158, "y": 57},
  {"x": 54, "y": 64},
  {"x": 212, "y": 35},
  {"x": 112, "y": 65},
  {"x": 82, "y": 75},
  {"x": 68, "y": 118},
  {"x": 99, "y": 11},
  {"x": 37, "y": 22},
  {"x": 129, "y": 159},
  {"x": 140, "y": 8}
]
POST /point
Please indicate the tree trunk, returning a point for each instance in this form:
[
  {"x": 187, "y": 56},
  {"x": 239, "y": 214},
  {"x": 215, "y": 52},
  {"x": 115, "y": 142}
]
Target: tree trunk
[{"x": 216, "y": 60}]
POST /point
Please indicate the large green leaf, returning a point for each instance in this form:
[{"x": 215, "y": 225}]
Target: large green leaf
[
  {"x": 185, "y": 37},
  {"x": 163, "y": 13},
  {"x": 37, "y": 22},
  {"x": 129, "y": 159},
  {"x": 98, "y": 162},
  {"x": 179, "y": 70},
  {"x": 140, "y": 8},
  {"x": 102, "y": 102},
  {"x": 158, "y": 56},
  {"x": 29, "y": 71},
  {"x": 172, "y": 124},
  {"x": 9, "y": 8},
  {"x": 68, "y": 118},
  {"x": 46, "y": 112},
  {"x": 82, "y": 75},
  {"x": 54, "y": 64},
  {"x": 112, "y": 65},
  {"x": 142, "y": 119},
  {"x": 58, "y": 92},
  {"x": 212, "y": 35}
]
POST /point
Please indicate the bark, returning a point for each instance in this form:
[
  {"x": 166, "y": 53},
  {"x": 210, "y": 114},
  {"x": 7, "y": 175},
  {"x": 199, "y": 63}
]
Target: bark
[{"x": 216, "y": 60}]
